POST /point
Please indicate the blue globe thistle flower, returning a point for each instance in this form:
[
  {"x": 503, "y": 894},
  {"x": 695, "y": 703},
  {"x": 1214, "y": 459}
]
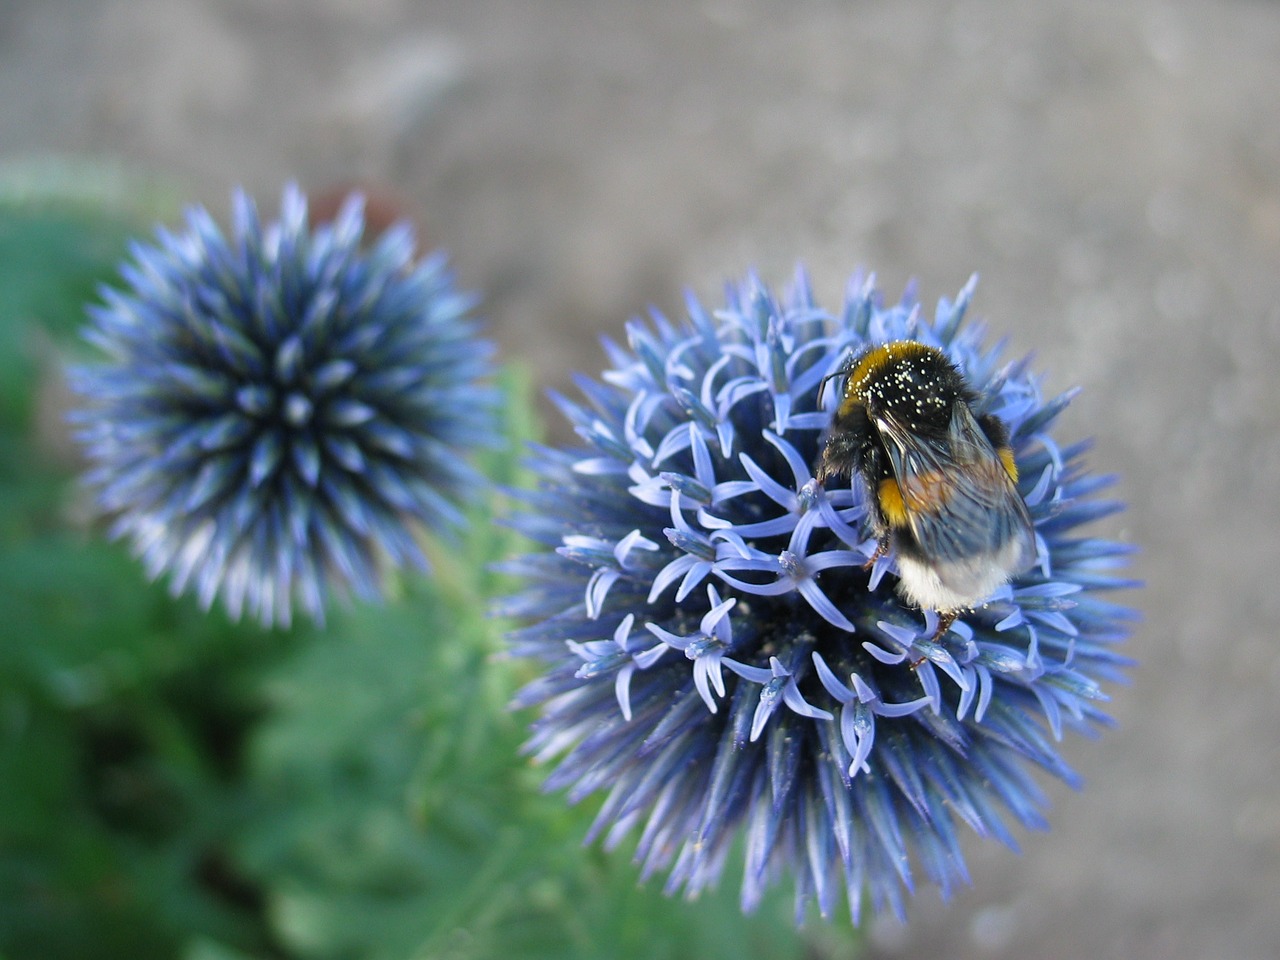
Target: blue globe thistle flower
[
  {"x": 719, "y": 661},
  {"x": 281, "y": 407}
]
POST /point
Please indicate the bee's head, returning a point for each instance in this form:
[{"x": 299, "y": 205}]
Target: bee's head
[{"x": 914, "y": 384}]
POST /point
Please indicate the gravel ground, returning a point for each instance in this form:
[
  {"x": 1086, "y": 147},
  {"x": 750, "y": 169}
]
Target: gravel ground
[{"x": 1113, "y": 171}]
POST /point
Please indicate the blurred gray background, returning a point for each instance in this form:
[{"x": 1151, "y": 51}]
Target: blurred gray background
[{"x": 1112, "y": 171}]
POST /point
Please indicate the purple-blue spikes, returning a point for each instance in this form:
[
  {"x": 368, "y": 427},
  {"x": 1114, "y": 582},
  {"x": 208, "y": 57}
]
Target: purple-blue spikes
[
  {"x": 280, "y": 407},
  {"x": 813, "y": 712}
]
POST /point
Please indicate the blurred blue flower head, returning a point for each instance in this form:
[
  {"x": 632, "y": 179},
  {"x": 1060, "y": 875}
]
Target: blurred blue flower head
[
  {"x": 281, "y": 409},
  {"x": 719, "y": 659}
]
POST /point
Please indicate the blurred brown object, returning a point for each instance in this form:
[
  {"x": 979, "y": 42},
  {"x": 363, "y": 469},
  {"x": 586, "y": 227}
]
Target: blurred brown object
[{"x": 383, "y": 208}]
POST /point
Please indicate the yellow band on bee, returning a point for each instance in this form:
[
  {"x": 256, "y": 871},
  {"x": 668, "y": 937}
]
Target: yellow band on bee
[
  {"x": 926, "y": 493},
  {"x": 1010, "y": 465},
  {"x": 891, "y": 505}
]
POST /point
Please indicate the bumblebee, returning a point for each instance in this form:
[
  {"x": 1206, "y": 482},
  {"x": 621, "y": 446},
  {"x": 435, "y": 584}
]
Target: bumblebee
[{"x": 942, "y": 481}]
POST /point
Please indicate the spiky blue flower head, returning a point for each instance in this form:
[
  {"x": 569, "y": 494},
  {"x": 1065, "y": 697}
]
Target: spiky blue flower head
[
  {"x": 281, "y": 407},
  {"x": 719, "y": 660}
]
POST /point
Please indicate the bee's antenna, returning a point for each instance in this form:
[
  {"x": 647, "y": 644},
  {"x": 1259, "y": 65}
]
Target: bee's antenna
[
  {"x": 840, "y": 371},
  {"x": 822, "y": 384}
]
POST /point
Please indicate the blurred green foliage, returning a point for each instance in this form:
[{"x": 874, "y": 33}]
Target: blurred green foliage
[
  {"x": 173, "y": 785},
  {"x": 122, "y": 713}
]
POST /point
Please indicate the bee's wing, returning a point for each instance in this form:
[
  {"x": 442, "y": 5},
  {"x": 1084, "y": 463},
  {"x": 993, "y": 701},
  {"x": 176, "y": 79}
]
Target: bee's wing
[{"x": 959, "y": 499}]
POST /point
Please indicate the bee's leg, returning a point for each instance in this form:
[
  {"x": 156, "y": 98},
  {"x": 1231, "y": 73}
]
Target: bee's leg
[
  {"x": 945, "y": 619},
  {"x": 882, "y": 547}
]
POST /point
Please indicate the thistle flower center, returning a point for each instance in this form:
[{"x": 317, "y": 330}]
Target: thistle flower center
[{"x": 297, "y": 410}]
